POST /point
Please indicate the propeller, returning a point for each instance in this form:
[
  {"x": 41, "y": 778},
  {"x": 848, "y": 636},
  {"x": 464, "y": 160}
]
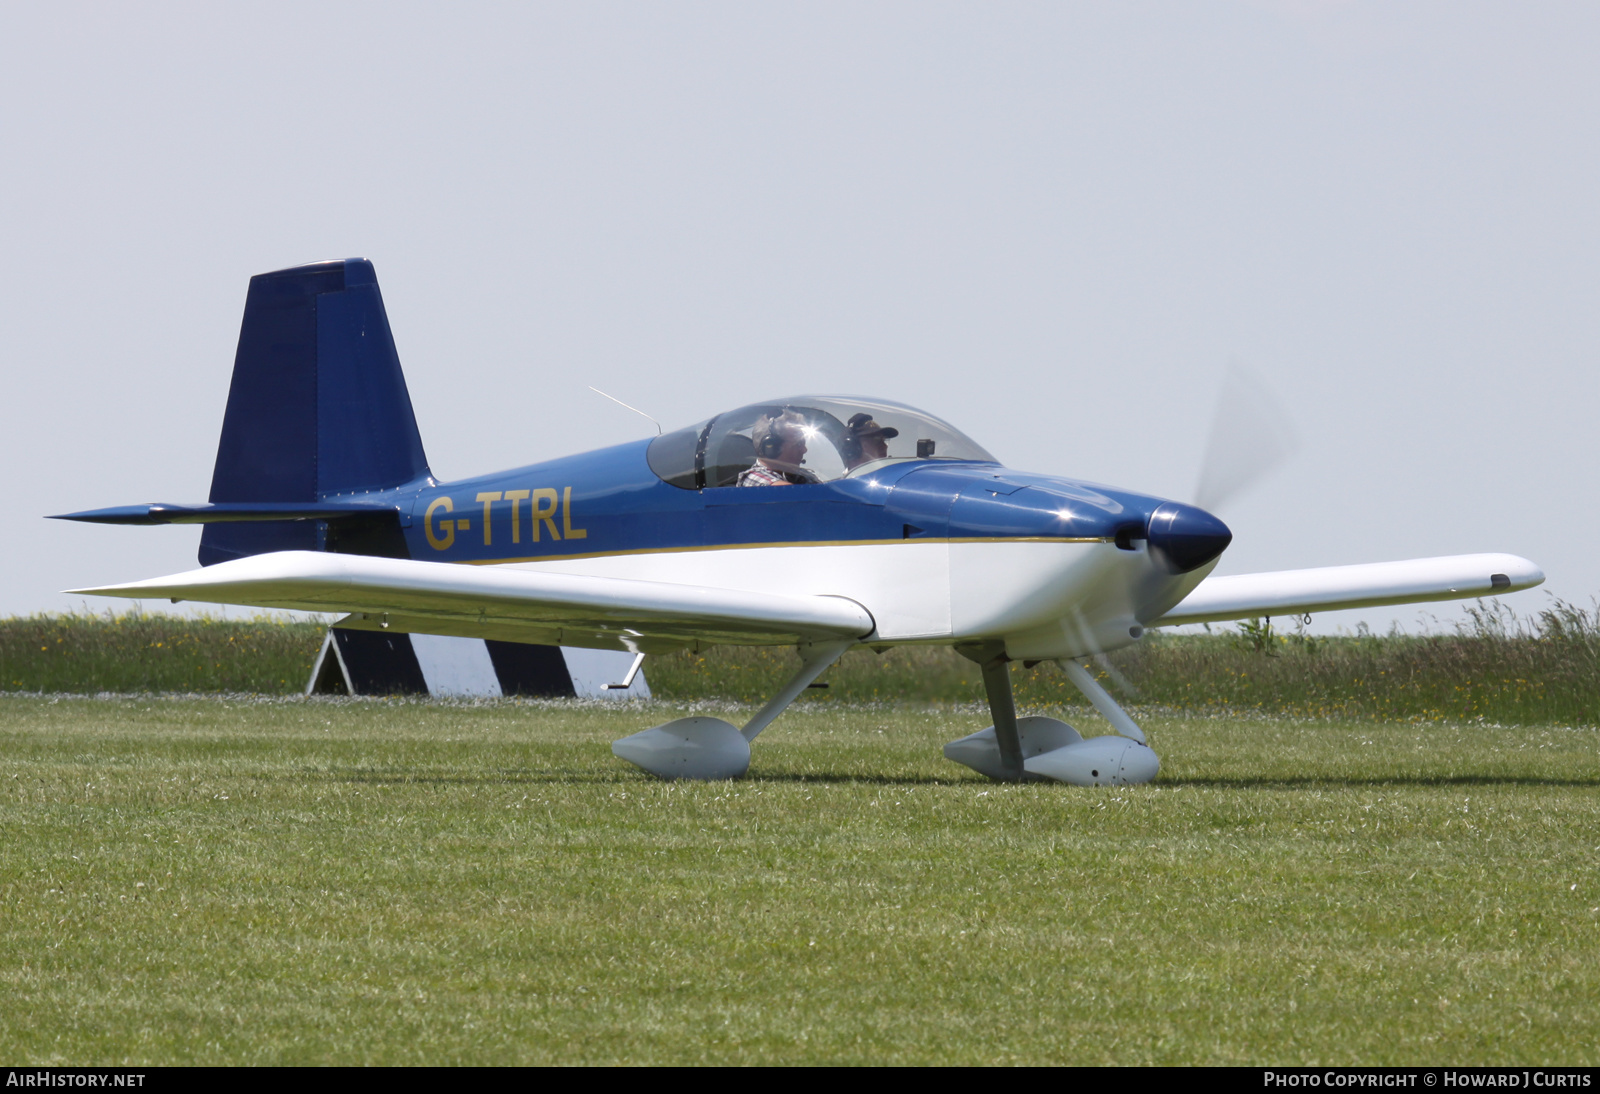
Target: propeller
[
  {"x": 1251, "y": 436},
  {"x": 1086, "y": 636}
]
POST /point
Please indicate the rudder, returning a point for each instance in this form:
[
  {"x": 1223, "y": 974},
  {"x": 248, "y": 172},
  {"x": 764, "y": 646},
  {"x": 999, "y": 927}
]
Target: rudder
[{"x": 318, "y": 405}]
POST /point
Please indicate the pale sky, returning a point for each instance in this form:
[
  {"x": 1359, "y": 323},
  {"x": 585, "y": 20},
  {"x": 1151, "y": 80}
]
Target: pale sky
[{"x": 1056, "y": 225}]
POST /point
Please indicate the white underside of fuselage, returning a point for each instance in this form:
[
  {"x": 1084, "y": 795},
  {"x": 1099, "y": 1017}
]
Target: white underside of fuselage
[{"x": 1044, "y": 599}]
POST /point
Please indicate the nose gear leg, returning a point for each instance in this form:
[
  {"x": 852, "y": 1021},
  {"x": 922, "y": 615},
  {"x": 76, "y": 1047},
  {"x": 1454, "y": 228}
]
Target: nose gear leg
[{"x": 991, "y": 658}]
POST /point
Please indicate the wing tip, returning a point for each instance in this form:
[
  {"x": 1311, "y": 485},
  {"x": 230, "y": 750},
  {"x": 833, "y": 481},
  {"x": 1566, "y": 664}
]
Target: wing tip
[{"x": 1515, "y": 573}]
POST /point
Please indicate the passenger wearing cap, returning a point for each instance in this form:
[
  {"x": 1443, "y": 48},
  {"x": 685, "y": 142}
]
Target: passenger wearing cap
[
  {"x": 864, "y": 441},
  {"x": 780, "y": 442}
]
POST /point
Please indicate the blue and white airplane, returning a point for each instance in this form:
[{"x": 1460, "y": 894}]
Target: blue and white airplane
[{"x": 819, "y": 522}]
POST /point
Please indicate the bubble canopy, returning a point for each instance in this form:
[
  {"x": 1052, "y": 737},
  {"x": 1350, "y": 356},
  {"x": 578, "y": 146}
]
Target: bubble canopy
[{"x": 807, "y": 438}]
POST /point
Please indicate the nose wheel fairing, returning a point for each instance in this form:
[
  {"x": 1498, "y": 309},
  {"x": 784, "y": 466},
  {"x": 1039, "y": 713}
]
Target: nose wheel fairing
[
  {"x": 1111, "y": 760},
  {"x": 1035, "y": 748},
  {"x": 1037, "y": 737}
]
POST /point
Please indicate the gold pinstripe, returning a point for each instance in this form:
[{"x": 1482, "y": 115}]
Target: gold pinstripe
[{"x": 795, "y": 543}]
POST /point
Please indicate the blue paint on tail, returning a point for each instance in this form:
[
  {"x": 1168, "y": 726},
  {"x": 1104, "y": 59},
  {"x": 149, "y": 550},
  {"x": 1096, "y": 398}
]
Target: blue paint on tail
[{"x": 318, "y": 408}]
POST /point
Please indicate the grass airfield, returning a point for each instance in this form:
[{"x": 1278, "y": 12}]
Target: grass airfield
[{"x": 231, "y": 881}]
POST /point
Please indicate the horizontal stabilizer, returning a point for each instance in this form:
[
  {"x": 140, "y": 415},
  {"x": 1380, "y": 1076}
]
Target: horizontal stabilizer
[
  {"x": 521, "y": 605},
  {"x": 223, "y": 512},
  {"x": 1331, "y": 588}
]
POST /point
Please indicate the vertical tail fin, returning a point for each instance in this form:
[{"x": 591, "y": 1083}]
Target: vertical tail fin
[{"x": 318, "y": 406}]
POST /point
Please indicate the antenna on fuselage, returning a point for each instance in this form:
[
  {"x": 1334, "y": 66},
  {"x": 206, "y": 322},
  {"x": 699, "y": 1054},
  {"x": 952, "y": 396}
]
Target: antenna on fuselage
[{"x": 635, "y": 409}]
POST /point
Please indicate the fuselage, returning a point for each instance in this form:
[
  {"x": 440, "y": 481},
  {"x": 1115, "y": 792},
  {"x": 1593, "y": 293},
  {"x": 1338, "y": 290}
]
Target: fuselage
[{"x": 937, "y": 550}]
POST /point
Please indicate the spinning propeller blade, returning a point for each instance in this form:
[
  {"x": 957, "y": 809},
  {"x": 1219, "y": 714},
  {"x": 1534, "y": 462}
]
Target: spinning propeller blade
[
  {"x": 1086, "y": 634},
  {"x": 1251, "y": 435}
]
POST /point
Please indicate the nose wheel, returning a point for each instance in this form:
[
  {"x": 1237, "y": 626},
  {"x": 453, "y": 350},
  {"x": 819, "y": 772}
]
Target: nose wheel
[{"x": 1037, "y": 749}]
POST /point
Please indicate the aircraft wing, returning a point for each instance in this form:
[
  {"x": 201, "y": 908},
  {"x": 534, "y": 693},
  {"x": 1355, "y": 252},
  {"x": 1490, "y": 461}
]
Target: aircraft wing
[
  {"x": 516, "y": 605},
  {"x": 1293, "y": 592}
]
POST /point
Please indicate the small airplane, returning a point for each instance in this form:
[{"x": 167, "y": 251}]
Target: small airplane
[{"x": 819, "y": 522}]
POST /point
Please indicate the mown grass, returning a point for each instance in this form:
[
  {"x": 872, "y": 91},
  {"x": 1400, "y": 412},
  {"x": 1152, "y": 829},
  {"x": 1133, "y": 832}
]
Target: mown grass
[{"x": 234, "y": 881}]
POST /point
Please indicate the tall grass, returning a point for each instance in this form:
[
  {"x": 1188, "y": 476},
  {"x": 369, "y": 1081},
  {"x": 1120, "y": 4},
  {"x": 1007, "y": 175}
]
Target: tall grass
[
  {"x": 1496, "y": 666},
  {"x": 140, "y": 652},
  {"x": 1539, "y": 669}
]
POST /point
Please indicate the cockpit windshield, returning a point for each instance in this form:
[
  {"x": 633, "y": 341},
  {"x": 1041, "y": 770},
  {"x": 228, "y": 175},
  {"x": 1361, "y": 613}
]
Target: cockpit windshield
[{"x": 809, "y": 438}]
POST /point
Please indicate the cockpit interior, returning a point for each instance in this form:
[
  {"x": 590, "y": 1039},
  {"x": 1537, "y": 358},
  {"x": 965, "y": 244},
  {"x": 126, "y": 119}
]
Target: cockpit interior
[{"x": 808, "y": 438}]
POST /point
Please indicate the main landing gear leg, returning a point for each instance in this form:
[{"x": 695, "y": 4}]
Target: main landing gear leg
[
  {"x": 813, "y": 660},
  {"x": 709, "y": 748},
  {"x": 1015, "y": 749}
]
